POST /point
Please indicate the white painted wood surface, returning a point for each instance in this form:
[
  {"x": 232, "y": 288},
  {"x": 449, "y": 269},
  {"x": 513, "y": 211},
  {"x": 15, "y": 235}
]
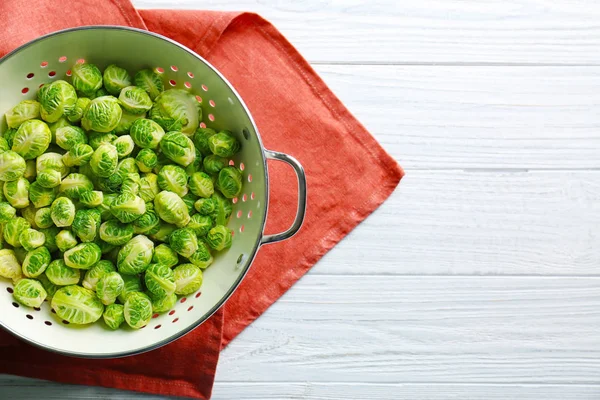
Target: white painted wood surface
[{"x": 480, "y": 277}]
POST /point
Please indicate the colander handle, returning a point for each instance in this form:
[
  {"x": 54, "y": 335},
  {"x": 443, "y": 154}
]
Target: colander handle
[{"x": 278, "y": 237}]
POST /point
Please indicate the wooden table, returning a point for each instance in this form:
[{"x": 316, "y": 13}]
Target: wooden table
[{"x": 479, "y": 277}]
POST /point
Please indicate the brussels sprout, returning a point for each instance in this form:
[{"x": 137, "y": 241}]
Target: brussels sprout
[
  {"x": 56, "y": 99},
  {"x": 109, "y": 287},
  {"x": 163, "y": 304},
  {"x": 224, "y": 144},
  {"x": 146, "y": 133},
  {"x": 164, "y": 255},
  {"x": 219, "y": 238},
  {"x": 12, "y": 166},
  {"x": 115, "y": 79},
  {"x": 79, "y": 155},
  {"x": 43, "y": 219},
  {"x": 200, "y": 224},
  {"x": 48, "y": 286},
  {"x": 124, "y": 145},
  {"x": 87, "y": 79},
  {"x": 116, "y": 233},
  {"x": 146, "y": 222},
  {"x": 30, "y": 172},
  {"x": 201, "y": 138},
  {"x": 102, "y": 115},
  {"x": 24, "y": 111},
  {"x": 41, "y": 196},
  {"x": 110, "y": 185},
  {"x": 29, "y": 214},
  {"x": 201, "y": 184},
  {"x": 13, "y": 229},
  {"x": 146, "y": 160},
  {"x": 83, "y": 256},
  {"x": 4, "y": 145},
  {"x": 213, "y": 164},
  {"x": 86, "y": 225},
  {"x": 65, "y": 240},
  {"x": 149, "y": 187},
  {"x": 69, "y": 136},
  {"x": 29, "y": 292},
  {"x": 50, "y": 234},
  {"x": 127, "y": 166},
  {"x": 9, "y": 265},
  {"x": 178, "y": 148},
  {"x": 137, "y": 310},
  {"x": 132, "y": 284},
  {"x": 163, "y": 232},
  {"x": 51, "y": 161},
  {"x": 126, "y": 122},
  {"x": 7, "y": 212},
  {"x": 184, "y": 242},
  {"x": 205, "y": 206},
  {"x": 174, "y": 179},
  {"x": 76, "y": 114},
  {"x": 91, "y": 198},
  {"x": 54, "y": 126},
  {"x": 135, "y": 100},
  {"x": 93, "y": 275},
  {"x": 104, "y": 208},
  {"x": 62, "y": 212},
  {"x": 188, "y": 279},
  {"x": 17, "y": 193},
  {"x": 128, "y": 207},
  {"x": 77, "y": 305},
  {"x": 177, "y": 110},
  {"x": 202, "y": 257},
  {"x": 105, "y": 160},
  {"x": 150, "y": 81},
  {"x": 59, "y": 274},
  {"x": 36, "y": 262},
  {"x": 8, "y": 135},
  {"x": 75, "y": 184},
  {"x": 160, "y": 280},
  {"x": 49, "y": 178},
  {"x": 96, "y": 139},
  {"x": 31, "y": 239},
  {"x": 135, "y": 256},
  {"x": 114, "y": 316},
  {"x": 170, "y": 208},
  {"x": 131, "y": 184}
]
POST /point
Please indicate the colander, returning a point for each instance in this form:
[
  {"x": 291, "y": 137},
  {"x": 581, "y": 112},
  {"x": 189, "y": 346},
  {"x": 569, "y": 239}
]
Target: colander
[{"x": 50, "y": 58}]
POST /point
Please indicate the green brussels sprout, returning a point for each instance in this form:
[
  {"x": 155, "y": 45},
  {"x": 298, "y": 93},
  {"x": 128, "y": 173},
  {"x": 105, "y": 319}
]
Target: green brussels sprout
[
  {"x": 114, "y": 316},
  {"x": 43, "y": 219},
  {"x": 150, "y": 81},
  {"x": 102, "y": 115},
  {"x": 69, "y": 136},
  {"x": 29, "y": 214},
  {"x": 223, "y": 208},
  {"x": 213, "y": 164},
  {"x": 17, "y": 192},
  {"x": 131, "y": 184},
  {"x": 128, "y": 207},
  {"x": 77, "y": 305},
  {"x": 104, "y": 208},
  {"x": 87, "y": 79},
  {"x": 132, "y": 284},
  {"x": 31, "y": 239},
  {"x": 12, "y": 166},
  {"x": 146, "y": 160},
  {"x": 109, "y": 287},
  {"x": 105, "y": 160},
  {"x": 8, "y": 135},
  {"x": 200, "y": 224},
  {"x": 79, "y": 155},
  {"x": 126, "y": 122},
  {"x": 83, "y": 256},
  {"x": 146, "y": 133},
  {"x": 9, "y": 265},
  {"x": 4, "y": 145},
  {"x": 170, "y": 208},
  {"x": 127, "y": 166},
  {"x": 76, "y": 113},
  {"x": 149, "y": 187},
  {"x": 56, "y": 99},
  {"x": 146, "y": 222},
  {"x": 93, "y": 275},
  {"x": 51, "y": 161},
  {"x": 219, "y": 238},
  {"x": 41, "y": 196},
  {"x": 189, "y": 200},
  {"x": 174, "y": 179},
  {"x": 165, "y": 255},
  {"x": 178, "y": 148},
  {"x": 135, "y": 256},
  {"x": 36, "y": 261},
  {"x": 62, "y": 212},
  {"x": 124, "y": 145},
  {"x": 86, "y": 225},
  {"x": 48, "y": 286},
  {"x": 188, "y": 279},
  {"x": 115, "y": 79},
  {"x": 91, "y": 198},
  {"x": 49, "y": 178},
  {"x": 24, "y": 111},
  {"x": 224, "y": 144},
  {"x": 184, "y": 242},
  {"x": 54, "y": 126},
  {"x": 201, "y": 138},
  {"x": 177, "y": 110},
  {"x": 160, "y": 280},
  {"x": 29, "y": 292},
  {"x": 116, "y": 233},
  {"x": 110, "y": 185},
  {"x": 163, "y": 304},
  {"x": 202, "y": 258},
  {"x": 74, "y": 184},
  {"x": 50, "y": 234},
  {"x": 201, "y": 184},
  {"x": 30, "y": 173},
  {"x": 13, "y": 229},
  {"x": 96, "y": 139},
  {"x": 59, "y": 274},
  {"x": 163, "y": 232},
  {"x": 137, "y": 310},
  {"x": 205, "y": 206},
  {"x": 65, "y": 240},
  {"x": 135, "y": 100},
  {"x": 7, "y": 212}
]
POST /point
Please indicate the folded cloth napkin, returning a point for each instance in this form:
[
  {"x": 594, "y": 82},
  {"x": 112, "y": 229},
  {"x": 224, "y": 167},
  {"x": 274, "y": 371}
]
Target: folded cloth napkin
[{"x": 349, "y": 175}]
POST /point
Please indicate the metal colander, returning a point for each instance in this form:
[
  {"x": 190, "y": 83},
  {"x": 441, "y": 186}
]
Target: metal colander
[{"x": 49, "y": 58}]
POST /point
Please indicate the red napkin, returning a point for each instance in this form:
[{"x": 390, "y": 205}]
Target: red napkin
[{"x": 349, "y": 175}]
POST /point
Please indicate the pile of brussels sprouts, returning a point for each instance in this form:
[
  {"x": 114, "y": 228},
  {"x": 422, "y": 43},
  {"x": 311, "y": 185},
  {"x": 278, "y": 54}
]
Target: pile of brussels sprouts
[{"x": 113, "y": 201}]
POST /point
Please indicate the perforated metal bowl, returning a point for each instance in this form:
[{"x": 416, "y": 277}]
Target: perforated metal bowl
[{"x": 51, "y": 57}]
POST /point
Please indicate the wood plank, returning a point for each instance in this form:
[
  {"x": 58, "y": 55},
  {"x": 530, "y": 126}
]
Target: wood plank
[
  {"x": 428, "y": 31},
  {"x": 477, "y": 117}
]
